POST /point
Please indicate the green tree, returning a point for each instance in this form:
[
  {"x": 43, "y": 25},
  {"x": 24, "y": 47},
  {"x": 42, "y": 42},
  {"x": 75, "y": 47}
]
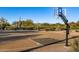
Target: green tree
[
  {"x": 77, "y": 24},
  {"x": 3, "y": 23},
  {"x": 73, "y": 25},
  {"x": 24, "y": 24}
]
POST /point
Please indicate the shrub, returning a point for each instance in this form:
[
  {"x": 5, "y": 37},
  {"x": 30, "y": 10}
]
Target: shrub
[{"x": 74, "y": 45}]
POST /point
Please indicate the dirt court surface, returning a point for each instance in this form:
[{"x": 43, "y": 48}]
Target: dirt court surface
[{"x": 42, "y": 41}]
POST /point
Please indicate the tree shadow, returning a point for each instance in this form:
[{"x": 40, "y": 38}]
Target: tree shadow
[
  {"x": 19, "y": 31},
  {"x": 44, "y": 41},
  {"x": 4, "y": 34},
  {"x": 13, "y": 38},
  {"x": 47, "y": 42}
]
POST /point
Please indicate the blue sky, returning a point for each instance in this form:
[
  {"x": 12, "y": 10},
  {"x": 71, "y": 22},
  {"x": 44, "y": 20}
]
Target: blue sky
[{"x": 37, "y": 14}]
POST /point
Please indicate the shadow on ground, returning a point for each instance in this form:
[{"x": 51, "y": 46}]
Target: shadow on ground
[
  {"x": 19, "y": 31},
  {"x": 13, "y": 38},
  {"x": 46, "y": 42},
  {"x": 4, "y": 34}
]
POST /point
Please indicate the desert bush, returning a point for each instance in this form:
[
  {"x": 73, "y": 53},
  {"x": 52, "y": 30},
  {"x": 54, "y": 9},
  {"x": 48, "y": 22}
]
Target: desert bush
[{"x": 74, "y": 45}]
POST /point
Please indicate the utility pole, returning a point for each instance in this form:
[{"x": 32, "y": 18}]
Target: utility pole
[{"x": 63, "y": 17}]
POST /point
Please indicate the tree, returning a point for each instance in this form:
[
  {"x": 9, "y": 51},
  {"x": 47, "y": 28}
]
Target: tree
[
  {"x": 3, "y": 23},
  {"x": 59, "y": 26},
  {"x": 27, "y": 22},
  {"x": 77, "y": 24},
  {"x": 73, "y": 25},
  {"x": 24, "y": 24}
]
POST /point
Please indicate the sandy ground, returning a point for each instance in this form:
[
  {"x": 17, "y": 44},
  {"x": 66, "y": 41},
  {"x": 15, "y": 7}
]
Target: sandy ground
[{"x": 35, "y": 40}]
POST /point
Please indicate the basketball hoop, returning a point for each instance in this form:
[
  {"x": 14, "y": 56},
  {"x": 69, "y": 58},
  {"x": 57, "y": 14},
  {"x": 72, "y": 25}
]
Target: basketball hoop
[{"x": 61, "y": 13}]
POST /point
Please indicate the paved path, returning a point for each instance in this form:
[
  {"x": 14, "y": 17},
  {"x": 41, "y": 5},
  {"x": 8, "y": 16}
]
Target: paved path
[{"x": 34, "y": 40}]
